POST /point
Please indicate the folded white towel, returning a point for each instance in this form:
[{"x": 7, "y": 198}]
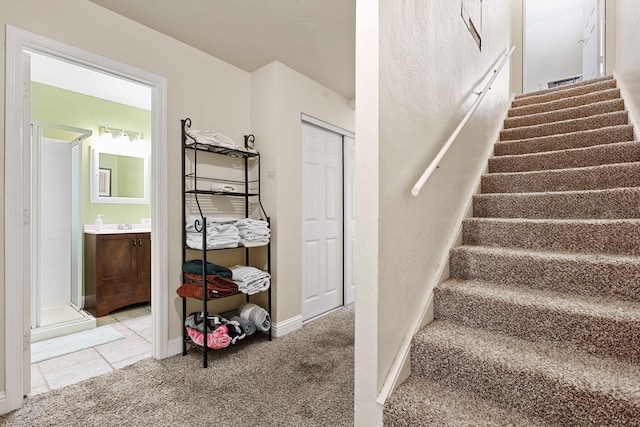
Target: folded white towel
[
  {"x": 250, "y": 280},
  {"x": 224, "y": 187},
  {"x": 251, "y": 222},
  {"x": 253, "y": 243},
  {"x": 194, "y": 241},
  {"x": 211, "y": 137}
]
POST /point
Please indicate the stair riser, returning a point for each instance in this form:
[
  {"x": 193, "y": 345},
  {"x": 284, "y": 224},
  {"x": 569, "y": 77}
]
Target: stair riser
[
  {"x": 572, "y": 276},
  {"x": 561, "y": 104},
  {"x": 605, "y": 177},
  {"x": 552, "y": 96},
  {"x": 606, "y": 204},
  {"x": 592, "y": 156},
  {"x": 597, "y": 122},
  {"x": 616, "y": 239},
  {"x": 568, "y": 114},
  {"x": 564, "y": 87},
  {"x": 565, "y": 141},
  {"x": 534, "y": 394},
  {"x": 604, "y": 337}
]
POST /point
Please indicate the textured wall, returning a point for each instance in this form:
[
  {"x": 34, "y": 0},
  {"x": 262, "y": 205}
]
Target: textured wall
[
  {"x": 627, "y": 58},
  {"x": 428, "y": 66}
]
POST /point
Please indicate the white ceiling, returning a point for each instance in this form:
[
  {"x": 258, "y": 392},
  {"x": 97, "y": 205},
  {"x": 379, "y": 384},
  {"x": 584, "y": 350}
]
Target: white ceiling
[{"x": 314, "y": 37}]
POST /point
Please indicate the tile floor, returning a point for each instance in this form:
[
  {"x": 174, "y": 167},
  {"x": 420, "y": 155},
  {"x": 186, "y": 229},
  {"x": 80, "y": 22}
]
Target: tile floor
[{"x": 134, "y": 323}]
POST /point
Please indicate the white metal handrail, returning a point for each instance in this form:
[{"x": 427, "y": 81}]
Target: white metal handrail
[{"x": 436, "y": 161}]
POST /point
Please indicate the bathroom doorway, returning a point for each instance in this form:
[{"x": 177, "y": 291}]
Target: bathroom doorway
[{"x": 17, "y": 332}]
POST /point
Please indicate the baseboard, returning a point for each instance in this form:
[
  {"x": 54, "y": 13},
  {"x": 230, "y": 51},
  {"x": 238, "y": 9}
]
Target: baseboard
[
  {"x": 286, "y": 326},
  {"x": 174, "y": 347},
  {"x": 3, "y": 403}
]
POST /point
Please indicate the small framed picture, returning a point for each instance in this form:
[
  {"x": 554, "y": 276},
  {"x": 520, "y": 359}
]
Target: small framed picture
[{"x": 104, "y": 182}]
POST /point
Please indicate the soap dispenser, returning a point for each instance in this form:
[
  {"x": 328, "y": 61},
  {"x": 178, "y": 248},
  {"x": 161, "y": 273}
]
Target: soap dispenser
[{"x": 98, "y": 223}]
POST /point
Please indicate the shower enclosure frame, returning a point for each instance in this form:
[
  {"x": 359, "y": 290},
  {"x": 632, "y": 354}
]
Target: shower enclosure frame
[{"x": 84, "y": 321}]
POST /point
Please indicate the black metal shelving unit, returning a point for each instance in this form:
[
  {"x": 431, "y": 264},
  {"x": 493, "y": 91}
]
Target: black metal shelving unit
[{"x": 247, "y": 196}]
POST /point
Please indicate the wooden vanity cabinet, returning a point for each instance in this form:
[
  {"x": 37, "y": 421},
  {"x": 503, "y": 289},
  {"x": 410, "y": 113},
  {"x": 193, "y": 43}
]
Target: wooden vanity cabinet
[{"x": 117, "y": 271}]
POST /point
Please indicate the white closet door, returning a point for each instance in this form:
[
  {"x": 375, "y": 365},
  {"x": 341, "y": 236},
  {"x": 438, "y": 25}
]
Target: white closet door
[
  {"x": 322, "y": 245},
  {"x": 350, "y": 219}
]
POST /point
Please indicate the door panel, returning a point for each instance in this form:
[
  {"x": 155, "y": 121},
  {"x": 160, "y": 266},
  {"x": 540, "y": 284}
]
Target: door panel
[
  {"x": 322, "y": 241},
  {"x": 592, "y": 54}
]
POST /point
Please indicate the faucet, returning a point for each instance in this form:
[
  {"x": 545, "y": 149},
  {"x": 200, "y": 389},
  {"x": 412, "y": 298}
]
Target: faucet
[{"x": 125, "y": 226}]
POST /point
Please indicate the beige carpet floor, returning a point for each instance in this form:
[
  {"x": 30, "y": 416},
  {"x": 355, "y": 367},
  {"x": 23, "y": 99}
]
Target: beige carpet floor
[{"x": 302, "y": 379}]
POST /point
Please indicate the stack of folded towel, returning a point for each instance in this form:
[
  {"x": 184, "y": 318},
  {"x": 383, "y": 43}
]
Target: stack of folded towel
[
  {"x": 256, "y": 314},
  {"x": 211, "y": 137},
  {"x": 250, "y": 280},
  {"x": 253, "y": 232},
  {"x": 221, "y": 232}
]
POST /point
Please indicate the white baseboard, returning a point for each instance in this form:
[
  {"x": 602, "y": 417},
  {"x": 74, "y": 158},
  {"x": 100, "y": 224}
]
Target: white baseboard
[
  {"x": 286, "y": 326},
  {"x": 3, "y": 403},
  {"x": 174, "y": 347}
]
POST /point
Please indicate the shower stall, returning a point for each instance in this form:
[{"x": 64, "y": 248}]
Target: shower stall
[{"x": 56, "y": 292}]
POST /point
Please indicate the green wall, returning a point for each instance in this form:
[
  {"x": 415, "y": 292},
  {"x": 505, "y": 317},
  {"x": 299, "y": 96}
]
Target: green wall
[{"x": 58, "y": 106}]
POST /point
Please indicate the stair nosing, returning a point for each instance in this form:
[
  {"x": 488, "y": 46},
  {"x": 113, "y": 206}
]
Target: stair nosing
[
  {"x": 548, "y": 153},
  {"x": 563, "y": 170},
  {"x": 531, "y": 357},
  {"x": 554, "y": 255},
  {"x": 597, "y": 307},
  {"x": 614, "y": 116},
  {"x": 560, "y": 135},
  {"x": 544, "y": 105},
  {"x": 565, "y": 110}
]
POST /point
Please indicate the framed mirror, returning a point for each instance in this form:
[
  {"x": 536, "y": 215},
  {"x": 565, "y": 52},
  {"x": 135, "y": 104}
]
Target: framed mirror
[{"x": 118, "y": 177}]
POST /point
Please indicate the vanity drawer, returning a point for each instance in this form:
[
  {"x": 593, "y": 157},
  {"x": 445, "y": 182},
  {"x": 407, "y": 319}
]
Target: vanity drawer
[{"x": 119, "y": 290}]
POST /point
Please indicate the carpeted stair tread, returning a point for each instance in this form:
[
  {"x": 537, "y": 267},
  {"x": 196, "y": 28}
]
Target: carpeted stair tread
[
  {"x": 560, "y": 104},
  {"x": 566, "y": 126},
  {"x": 564, "y": 93},
  {"x": 597, "y": 204},
  {"x": 580, "y": 139},
  {"x": 571, "y": 158},
  {"x": 607, "y": 236},
  {"x": 588, "y": 178},
  {"x": 596, "y": 325},
  {"x": 614, "y": 276},
  {"x": 582, "y": 111},
  {"x": 420, "y": 402},
  {"x": 564, "y": 87},
  {"x": 555, "y": 385}
]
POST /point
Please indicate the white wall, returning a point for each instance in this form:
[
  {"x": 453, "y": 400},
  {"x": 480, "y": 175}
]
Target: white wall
[
  {"x": 204, "y": 88},
  {"x": 428, "y": 66},
  {"x": 553, "y": 28},
  {"x": 627, "y": 58},
  {"x": 279, "y": 96}
]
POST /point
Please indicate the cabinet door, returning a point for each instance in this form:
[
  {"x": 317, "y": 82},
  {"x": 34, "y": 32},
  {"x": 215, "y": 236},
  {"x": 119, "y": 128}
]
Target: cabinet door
[
  {"x": 144, "y": 257},
  {"x": 117, "y": 258}
]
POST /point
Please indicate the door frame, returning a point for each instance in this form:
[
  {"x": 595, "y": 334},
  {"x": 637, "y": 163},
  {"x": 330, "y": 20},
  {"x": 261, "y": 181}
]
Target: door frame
[
  {"x": 310, "y": 120},
  {"x": 17, "y": 340}
]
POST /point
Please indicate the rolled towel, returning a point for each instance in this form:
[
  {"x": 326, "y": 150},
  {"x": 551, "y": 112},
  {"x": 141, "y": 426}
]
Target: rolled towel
[
  {"x": 256, "y": 314},
  {"x": 247, "y": 326}
]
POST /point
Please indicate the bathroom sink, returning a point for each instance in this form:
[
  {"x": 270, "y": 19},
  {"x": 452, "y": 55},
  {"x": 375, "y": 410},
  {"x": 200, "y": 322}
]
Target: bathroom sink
[{"x": 113, "y": 229}]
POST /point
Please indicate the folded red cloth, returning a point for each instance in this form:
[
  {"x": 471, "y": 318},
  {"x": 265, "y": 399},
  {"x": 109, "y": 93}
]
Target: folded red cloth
[{"x": 217, "y": 286}]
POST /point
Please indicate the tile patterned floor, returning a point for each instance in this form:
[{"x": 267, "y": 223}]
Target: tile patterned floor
[{"x": 133, "y": 323}]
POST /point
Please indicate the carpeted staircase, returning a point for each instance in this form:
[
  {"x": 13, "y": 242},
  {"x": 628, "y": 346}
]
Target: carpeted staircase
[{"x": 539, "y": 323}]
